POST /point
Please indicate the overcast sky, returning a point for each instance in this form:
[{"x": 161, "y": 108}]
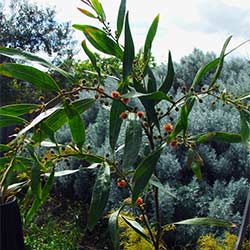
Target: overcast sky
[{"x": 184, "y": 25}]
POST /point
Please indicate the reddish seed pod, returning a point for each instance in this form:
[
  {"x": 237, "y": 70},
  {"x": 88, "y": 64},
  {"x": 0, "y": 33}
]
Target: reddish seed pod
[
  {"x": 168, "y": 127},
  {"x": 127, "y": 201},
  {"x": 115, "y": 94},
  {"x": 125, "y": 100},
  {"x": 121, "y": 183},
  {"x": 140, "y": 114},
  {"x": 141, "y": 217},
  {"x": 123, "y": 115},
  {"x": 139, "y": 201},
  {"x": 174, "y": 143}
]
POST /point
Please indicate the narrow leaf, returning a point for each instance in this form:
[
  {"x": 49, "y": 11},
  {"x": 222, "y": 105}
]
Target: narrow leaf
[
  {"x": 151, "y": 86},
  {"x": 203, "y": 71},
  {"x": 29, "y": 74},
  {"x": 87, "y": 13},
  {"x": 100, "y": 195},
  {"x": 245, "y": 127},
  {"x": 10, "y": 120},
  {"x": 133, "y": 140},
  {"x": 99, "y": 9},
  {"x": 129, "y": 50},
  {"x": 156, "y": 182},
  {"x": 114, "y": 228},
  {"x": 168, "y": 82},
  {"x": 115, "y": 122},
  {"x": 32, "y": 58},
  {"x": 91, "y": 56},
  {"x": 203, "y": 221},
  {"x": 17, "y": 109},
  {"x": 218, "y": 136},
  {"x": 137, "y": 228},
  {"x": 196, "y": 168},
  {"x": 4, "y": 148},
  {"x": 100, "y": 40},
  {"x": 48, "y": 185},
  {"x": 76, "y": 124},
  {"x": 150, "y": 37},
  {"x": 220, "y": 65},
  {"x": 144, "y": 172},
  {"x": 120, "y": 18},
  {"x": 63, "y": 173}
]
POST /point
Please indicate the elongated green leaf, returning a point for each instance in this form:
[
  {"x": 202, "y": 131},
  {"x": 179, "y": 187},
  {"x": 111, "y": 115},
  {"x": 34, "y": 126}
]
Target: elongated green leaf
[
  {"x": 64, "y": 172},
  {"x": 35, "y": 180},
  {"x": 57, "y": 119},
  {"x": 150, "y": 37},
  {"x": 129, "y": 50},
  {"x": 206, "y": 222},
  {"x": 32, "y": 58},
  {"x": 91, "y": 56},
  {"x": 132, "y": 143},
  {"x": 39, "y": 119},
  {"x": 120, "y": 18},
  {"x": 29, "y": 74},
  {"x": 203, "y": 71},
  {"x": 168, "y": 82},
  {"x": 144, "y": 172},
  {"x": 218, "y": 136},
  {"x": 4, "y": 148},
  {"x": 17, "y": 109},
  {"x": 114, "y": 228},
  {"x": 10, "y": 120},
  {"x": 99, "y": 9},
  {"x": 245, "y": 127},
  {"x": 31, "y": 212},
  {"x": 151, "y": 85},
  {"x": 87, "y": 13},
  {"x": 196, "y": 168},
  {"x": 48, "y": 185},
  {"x": 220, "y": 65},
  {"x": 182, "y": 123},
  {"x": 115, "y": 122},
  {"x": 100, "y": 40},
  {"x": 76, "y": 124},
  {"x": 100, "y": 195},
  {"x": 137, "y": 228},
  {"x": 156, "y": 182}
]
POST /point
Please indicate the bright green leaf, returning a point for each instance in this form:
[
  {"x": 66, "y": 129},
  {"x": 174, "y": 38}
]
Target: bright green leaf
[
  {"x": 168, "y": 82},
  {"x": 150, "y": 37},
  {"x": 220, "y": 65},
  {"x": 76, "y": 124},
  {"x": 17, "y": 109},
  {"x": 29, "y": 74},
  {"x": 99, "y": 9},
  {"x": 32, "y": 58},
  {"x": 129, "y": 50},
  {"x": 10, "y": 120},
  {"x": 4, "y": 148},
  {"x": 218, "y": 136},
  {"x": 120, "y": 18},
  {"x": 100, "y": 195},
  {"x": 100, "y": 40},
  {"x": 91, "y": 56}
]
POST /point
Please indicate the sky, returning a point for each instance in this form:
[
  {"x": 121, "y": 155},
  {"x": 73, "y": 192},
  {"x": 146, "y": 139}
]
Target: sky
[{"x": 183, "y": 26}]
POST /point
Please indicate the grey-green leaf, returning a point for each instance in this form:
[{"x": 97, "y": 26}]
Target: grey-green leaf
[
  {"x": 144, "y": 172},
  {"x": 100, "y": 195},
  {"x": 245, "y": 127},
  {"x": 132, "y": 143}
]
